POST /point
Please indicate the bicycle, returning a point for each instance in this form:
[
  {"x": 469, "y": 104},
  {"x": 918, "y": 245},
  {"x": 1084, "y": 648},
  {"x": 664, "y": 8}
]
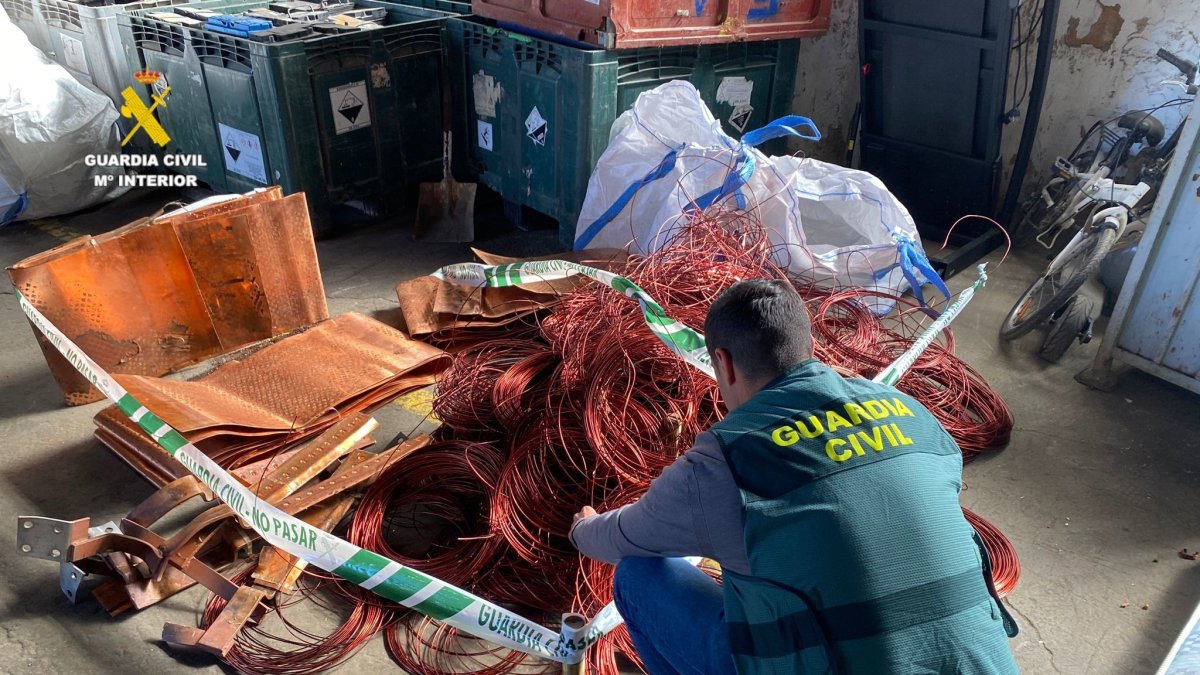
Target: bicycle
[{"x": 1104, "y": 188}]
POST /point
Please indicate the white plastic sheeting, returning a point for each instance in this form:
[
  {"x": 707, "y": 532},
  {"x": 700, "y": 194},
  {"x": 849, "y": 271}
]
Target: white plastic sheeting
[
  {"x": 49, "y": 125},
  {"x": 667, "y": 157}
]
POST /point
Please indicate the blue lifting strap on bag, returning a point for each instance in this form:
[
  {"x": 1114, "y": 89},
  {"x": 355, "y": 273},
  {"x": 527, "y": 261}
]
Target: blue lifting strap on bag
[
  {"x": 743, "y": 168},
  {"x": 912, "y": 261},
  {"x": 664, "y": 167}
]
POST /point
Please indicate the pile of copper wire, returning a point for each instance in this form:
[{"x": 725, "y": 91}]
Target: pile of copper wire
[
  {"x": 594, "y": 407},
  {"x": 588, "y": 410}
]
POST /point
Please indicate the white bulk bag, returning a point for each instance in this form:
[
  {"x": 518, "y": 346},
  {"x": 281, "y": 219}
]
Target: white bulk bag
[{"x": 667, "y": 156}]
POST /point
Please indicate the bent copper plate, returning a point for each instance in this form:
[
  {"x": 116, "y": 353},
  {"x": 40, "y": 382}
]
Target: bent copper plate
[
  {"x": 285, "y": 393},
  {"x": 139, "y": 299},
  {"x": 260, "y": 276},
  {"x": 428, "y": 305},
  {"x": 123, "y": 436},
  {"x": 292, "y": 383}
]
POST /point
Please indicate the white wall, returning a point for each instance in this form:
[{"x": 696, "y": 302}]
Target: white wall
[{"x": 1103, "y": 65}]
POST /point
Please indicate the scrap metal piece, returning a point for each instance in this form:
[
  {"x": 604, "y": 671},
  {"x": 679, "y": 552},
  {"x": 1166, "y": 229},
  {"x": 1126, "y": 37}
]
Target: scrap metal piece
[
  {"x": 302, "y": 380},
  {"x": 117, "y": 596},
  {"x": 171, "y": 495},
  {"x": 127, "y": 441},
  {"x": 217, "y": 523},
  {"x": 305, "y": 465},
  {"x": 246, "y": 606},
  {"x": 223, "y": 275},
  {"x": 429, "y": 306},
  {"x": 278, "y": 571},
  {"x": 287, "y": 392},
  {"x": 70, "y": 541}
]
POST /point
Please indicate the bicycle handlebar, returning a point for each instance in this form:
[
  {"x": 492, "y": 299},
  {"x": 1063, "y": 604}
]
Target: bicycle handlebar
[{"x": 1186, "y": 67}]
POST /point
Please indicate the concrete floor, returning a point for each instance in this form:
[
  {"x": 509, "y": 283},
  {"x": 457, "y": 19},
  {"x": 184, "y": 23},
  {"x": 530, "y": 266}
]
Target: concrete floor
[{"x": 1095, "y": 489}]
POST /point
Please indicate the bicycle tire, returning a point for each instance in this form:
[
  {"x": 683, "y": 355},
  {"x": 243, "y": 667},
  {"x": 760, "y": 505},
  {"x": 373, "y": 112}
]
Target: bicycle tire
[
  {"x": 1064, "y": 330},
  {"x": 1092, "y": 252}
]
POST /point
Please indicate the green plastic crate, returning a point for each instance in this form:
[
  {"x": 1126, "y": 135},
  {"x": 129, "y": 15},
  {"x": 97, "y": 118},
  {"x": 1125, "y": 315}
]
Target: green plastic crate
[
  {"x": 535, "y": 115},
  {"x": 83, "y": 38},
  {"x": 341, "y": 118}
]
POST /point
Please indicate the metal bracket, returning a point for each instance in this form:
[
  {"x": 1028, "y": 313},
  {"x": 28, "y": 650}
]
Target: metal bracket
[
  {"x": 106, "y": 528},
  {"x": 70, "y": 578},
  {"x": 48, "y": 538}
]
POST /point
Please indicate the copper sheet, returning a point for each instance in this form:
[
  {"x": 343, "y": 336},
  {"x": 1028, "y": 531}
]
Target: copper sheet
[
  {"x": 283, "y": 394},
  {"x": 155, "y": 295},
  {"x": 295, "y": 382},
  {"x": 127, "y": 441}
]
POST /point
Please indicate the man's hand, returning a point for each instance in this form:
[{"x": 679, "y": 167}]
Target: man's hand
[{"x": 585, "y": 512}]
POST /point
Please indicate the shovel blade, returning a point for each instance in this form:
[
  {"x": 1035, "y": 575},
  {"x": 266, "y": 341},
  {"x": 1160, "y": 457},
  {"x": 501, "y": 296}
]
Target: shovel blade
[{"x": 446, "y": 212}]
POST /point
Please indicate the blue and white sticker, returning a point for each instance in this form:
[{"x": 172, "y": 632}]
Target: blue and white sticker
[
  {"x": 483, "y": 133},
  {"x": 536, "y": 126}
]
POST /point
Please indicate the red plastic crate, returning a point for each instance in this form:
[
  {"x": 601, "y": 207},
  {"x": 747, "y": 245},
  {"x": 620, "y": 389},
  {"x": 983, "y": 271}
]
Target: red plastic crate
[{"x": 616, "y": 24}]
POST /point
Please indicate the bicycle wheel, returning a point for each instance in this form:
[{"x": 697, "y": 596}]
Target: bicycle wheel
[
  {"x": 1052, "y": 290},
  {"x": 1037, "y": 216},
  {"x": 1064, "y": 330}
]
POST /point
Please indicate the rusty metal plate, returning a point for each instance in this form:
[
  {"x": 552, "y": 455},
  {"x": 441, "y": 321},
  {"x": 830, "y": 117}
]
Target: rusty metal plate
[
  {"x": 159, "y": 294},
  {"x": 620, "y": 24}
]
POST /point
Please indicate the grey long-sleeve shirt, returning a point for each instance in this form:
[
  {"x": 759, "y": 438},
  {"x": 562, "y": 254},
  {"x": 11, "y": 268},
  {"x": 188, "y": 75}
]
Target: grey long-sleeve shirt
[{"x": 693, "y": 508}]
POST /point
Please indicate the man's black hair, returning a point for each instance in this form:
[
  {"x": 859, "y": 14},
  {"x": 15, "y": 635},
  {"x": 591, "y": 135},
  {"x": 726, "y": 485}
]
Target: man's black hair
[{"x": 764, "y": 326}]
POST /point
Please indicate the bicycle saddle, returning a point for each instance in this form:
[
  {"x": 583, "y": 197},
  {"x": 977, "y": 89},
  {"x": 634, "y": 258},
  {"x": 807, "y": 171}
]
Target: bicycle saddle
[{"x": 1146, "y": 128}]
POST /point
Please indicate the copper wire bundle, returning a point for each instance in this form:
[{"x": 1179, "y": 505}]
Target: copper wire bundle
[
  {"x": 1006, "y": 569},
  {"x": 418, "y": 644},
  {"x": 431, "y": 511},
  {"x": 295, "y": 650}
]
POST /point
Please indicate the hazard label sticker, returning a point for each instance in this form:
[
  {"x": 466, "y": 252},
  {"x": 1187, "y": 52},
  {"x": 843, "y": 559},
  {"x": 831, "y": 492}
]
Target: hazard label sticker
[
  {"x": 242, "y": 153},
  {"x": 484, "y": 134},
  {"x": 486, "y": 94},
  {"x": 740, "y": 116},
  {"x": 536, "y": 127},
  {"x": 736, "y": 91},
  {"x": 73, "y": 55},
  {"x": 350, "y": 108}
]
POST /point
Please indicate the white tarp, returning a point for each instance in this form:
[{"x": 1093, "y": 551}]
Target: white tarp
[{"x": 49, "y": 124}]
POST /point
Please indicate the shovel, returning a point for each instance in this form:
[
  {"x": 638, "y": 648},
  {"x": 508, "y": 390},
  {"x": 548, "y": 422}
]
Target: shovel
[{"x": 446, "y": 210}]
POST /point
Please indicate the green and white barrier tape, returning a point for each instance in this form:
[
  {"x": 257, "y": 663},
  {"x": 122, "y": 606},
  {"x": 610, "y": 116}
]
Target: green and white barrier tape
[
  {"x": 388, "y": 578},
  {"x": 369, "y": 570},
  {"x": 683, "y": 341},
  {"x": 892, "y": 374}
]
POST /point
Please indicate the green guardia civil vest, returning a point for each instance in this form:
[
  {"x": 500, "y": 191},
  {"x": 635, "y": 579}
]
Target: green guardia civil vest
[{"x": 860, "y": 558}]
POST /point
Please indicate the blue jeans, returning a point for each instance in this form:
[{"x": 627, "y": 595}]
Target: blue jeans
[{"x": 675, "y": 615}]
